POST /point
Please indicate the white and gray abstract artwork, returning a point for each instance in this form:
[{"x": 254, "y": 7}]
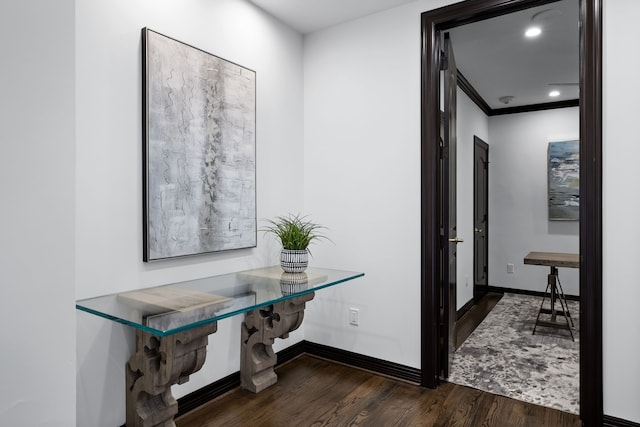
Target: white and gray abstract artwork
[
  {"x": 564, "y": 180},
  {"x": 200, "y": 190}
]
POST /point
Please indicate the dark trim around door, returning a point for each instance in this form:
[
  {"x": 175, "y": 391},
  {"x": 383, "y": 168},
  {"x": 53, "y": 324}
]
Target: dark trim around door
[
  {"x": 591, "y": 381},
  {"x": 536, "y": 107},
  {"x": 473, "y": 94},
  {"x": 591, "y": 370}
]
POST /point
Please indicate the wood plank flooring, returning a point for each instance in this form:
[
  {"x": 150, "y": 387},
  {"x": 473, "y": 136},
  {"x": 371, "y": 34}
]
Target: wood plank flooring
[{"x": 315, "y": 392}]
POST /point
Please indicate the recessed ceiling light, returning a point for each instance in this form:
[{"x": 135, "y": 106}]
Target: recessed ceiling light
[
  {"x": 554, "y": 93},
  {"x": 533, "y": 32}
]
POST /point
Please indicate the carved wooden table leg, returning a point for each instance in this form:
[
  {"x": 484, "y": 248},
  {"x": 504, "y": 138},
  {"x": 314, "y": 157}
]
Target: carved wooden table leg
[
  {"x": 259, "y": 329},
  {"x": 158, "y": 363}
]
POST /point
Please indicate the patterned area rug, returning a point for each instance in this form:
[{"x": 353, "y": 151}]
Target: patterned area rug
[{"x": 503, "y": 357}]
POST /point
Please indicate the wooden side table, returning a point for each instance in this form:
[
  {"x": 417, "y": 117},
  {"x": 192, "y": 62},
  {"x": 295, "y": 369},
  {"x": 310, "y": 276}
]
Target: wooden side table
[{"x": 554, "y": 288}]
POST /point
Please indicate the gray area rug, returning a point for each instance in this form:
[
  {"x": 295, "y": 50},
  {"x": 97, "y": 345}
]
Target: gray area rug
[{"x": 503, "y": 357}]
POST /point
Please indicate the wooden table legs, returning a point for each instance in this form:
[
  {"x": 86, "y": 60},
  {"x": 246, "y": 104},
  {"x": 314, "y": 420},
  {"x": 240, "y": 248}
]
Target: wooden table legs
[
  {"x": 160, "y": 362},
  {"x": 157, "y": 364},
  {"x": 259, "y": 330}
]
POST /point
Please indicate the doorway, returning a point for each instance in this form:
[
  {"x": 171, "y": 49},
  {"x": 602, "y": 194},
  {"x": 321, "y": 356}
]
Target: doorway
[{"x": 435, "y": 258}]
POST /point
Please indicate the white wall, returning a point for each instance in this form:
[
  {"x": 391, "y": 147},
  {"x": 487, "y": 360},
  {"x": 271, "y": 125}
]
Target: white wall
[
  {"x": 362, "y": 179},
  {"x": 108, "y": 172},
  {"x": 37, "y": 150},
  {"x": 518, "y": 219},
  {"x": 362, "y": 133},
  {"x": 471, "y": 121},
  {"x": 621, "y": 205}
]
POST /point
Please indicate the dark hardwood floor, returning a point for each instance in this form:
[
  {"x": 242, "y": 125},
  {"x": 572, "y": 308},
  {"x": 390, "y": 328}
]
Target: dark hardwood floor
[
  {"x": 315, "y": 392},
  {"x": 476, "y": 314}
]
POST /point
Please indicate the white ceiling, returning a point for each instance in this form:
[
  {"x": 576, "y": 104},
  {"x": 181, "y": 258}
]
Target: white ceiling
[
  {"x": 492, "y": 54},
  {"x": 307, "y": 16},
  {"x": 498, "y": 60}
]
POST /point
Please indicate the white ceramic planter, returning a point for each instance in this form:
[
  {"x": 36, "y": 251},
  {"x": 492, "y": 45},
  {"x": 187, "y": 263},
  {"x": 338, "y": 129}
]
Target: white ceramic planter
[
  {"x": 294, "y": 261},
  {"x": 291, "y": 283}
]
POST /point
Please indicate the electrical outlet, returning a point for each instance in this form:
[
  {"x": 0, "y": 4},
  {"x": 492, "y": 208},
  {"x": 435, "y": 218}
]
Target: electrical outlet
[
  {"x": 510, "y": 268},
  {"x": 354, "y": 316}
]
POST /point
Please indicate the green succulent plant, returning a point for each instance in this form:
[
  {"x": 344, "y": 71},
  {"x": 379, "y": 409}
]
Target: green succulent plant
[{"x": 295, "y": 232}]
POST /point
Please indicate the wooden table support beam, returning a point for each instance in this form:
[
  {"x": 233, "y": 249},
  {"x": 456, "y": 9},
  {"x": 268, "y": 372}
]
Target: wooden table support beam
[
  {"x": 157, "y": 364},
  {"x": 160, "y": 362},
  {"x": 259, "y": 330}
]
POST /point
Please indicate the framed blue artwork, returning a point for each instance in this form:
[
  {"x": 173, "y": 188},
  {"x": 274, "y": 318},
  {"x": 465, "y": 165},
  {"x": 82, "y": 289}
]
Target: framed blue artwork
[{"x": 564, "y": 181}]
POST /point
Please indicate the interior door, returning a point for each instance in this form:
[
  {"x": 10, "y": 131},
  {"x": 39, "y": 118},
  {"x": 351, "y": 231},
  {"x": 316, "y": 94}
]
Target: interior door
[
  {"x": 480, "y": 217},
  {"x": 449, "y": 235}
]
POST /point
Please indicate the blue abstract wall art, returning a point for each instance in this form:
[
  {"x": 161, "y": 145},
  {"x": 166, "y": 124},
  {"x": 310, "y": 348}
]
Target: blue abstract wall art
[{"x": 564, "y": 180}]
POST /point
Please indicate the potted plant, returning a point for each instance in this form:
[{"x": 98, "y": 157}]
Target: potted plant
[{"x": 295, "y": 233}]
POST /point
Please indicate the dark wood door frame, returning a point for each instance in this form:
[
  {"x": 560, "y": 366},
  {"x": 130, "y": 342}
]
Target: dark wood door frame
[
  {"x": 448, "y": 203},
  {"x": 591, "y": 382}
]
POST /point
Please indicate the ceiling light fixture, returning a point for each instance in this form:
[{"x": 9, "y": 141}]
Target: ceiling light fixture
[
  {"x": 533, "y": 32},
  {"x": 554, "y": 93},
  {"x": 506, "y": 99}
]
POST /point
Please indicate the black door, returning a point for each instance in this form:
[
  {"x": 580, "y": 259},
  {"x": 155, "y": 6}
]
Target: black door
[
  {"x": 480, "y": 217},
  {"x": 449, "y": 236}
]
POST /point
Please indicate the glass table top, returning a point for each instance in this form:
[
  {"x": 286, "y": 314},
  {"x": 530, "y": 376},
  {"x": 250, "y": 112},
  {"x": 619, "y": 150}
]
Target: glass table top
[{"x": 168, "y": 309}]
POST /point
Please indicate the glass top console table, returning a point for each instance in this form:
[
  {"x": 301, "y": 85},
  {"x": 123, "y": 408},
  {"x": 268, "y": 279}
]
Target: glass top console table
[{"x": 173, "y": 323}]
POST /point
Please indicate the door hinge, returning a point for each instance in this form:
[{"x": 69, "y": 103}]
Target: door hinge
[{"x": 443, "y": 61}]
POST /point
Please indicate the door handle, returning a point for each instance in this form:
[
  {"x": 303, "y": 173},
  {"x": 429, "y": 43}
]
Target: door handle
[
  {"x": 456, "y": 240},
  {"x": 478, "y": 230}
]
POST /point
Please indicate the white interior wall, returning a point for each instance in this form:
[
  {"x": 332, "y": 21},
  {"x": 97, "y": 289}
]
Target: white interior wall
[
  {"x": 518, "y": 219},
  {"x": 621, "y": 210},
  {"x": 471, "y": 121},
  {"x": 362, "y": 109},
  {"x": 37, "y": 152},
  {"x": 109, "y": 170},
  {"x": 362, "y": 179}
]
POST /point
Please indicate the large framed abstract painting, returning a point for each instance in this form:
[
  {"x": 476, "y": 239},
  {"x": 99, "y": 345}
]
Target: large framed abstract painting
[
  {"x": 564, "y": 180},
  {"x": 199, "y": 166}
]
